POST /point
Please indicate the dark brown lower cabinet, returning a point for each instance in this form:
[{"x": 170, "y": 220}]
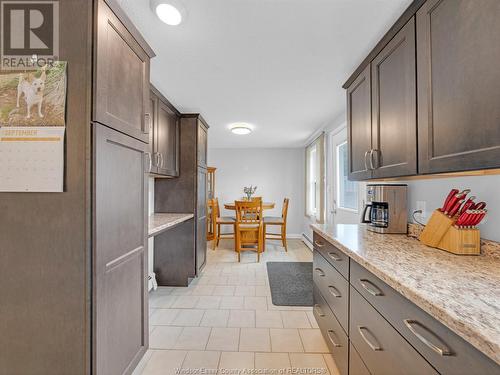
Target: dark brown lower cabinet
[
  {"x": 334, "y": 335},
  {"x": 120, "y": 317},
  {"x": 356, "y": 364},
  {"x": 386, "y": 333},
  {"x": 382, "y": 348},
  {"x": 201, "y": 222},
  {"x": 174, "y": 256}
]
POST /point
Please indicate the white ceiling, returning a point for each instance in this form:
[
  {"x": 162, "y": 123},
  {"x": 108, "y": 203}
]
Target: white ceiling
[{"x": 277, "y": 64}]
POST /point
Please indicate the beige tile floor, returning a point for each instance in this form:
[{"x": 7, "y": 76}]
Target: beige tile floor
[{"x": 225, "y": 321}]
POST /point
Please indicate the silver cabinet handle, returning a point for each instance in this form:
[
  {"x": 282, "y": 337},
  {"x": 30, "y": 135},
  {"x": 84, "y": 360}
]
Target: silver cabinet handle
[
  {"x": 318, "y": 310},
  {"x": 335, "y": 256},
  {"x": 149, "y": 121},
  {"x": 156, "y": 159},
  {"x": 371, "y": 288},
  {"x": 332, "y": 337},
  {"x": 334, "y": 291},
  {"x": 366, "y": 165},
  {"x": 372, "y": 164},
  {"x": 150, "y": 161},
  {"x": 320, "y": 272},
  {"x": 375, "y": 347},
  {"x": 319, "y": 244},
  {"x": 162, "y": 161},
  {"x": 442, "y": 350}
]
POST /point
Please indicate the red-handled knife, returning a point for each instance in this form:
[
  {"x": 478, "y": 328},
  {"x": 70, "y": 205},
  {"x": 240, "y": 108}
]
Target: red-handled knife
[
  {"x": 479, "y": 206},
  {"x": 453, "y": 211},
  {"x": 467, "y": 205},
  {"x": 462, "y": 219},
  {"x": 447, "y": 200},
  {"x": 453, "y": 201},
  {"x": 479, "y": 217}
]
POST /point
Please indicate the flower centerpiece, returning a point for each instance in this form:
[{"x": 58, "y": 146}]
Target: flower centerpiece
[{"x": 249, "y": 191}]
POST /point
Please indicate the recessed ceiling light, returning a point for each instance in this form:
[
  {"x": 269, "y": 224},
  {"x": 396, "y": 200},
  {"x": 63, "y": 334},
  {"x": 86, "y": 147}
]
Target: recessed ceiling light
[
  {"x": 241, "y": 128},
  {"x": 170, "y": 12}
]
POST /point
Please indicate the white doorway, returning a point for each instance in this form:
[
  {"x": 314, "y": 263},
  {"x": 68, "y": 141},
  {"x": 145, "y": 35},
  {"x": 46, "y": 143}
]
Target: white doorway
[{"x": 343, "y": 195}]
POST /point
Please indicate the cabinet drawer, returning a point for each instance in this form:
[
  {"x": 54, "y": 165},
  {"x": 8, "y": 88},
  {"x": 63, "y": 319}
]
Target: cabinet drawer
[
  {"x": 446, "y": 351},
  {"x": 333, "y": 255},
  {"x": 333, "y": 333},
  {"x": 356, "y": 364},
  {"x": 333, "y": 287},
  {"x": 382, "y": 348}
]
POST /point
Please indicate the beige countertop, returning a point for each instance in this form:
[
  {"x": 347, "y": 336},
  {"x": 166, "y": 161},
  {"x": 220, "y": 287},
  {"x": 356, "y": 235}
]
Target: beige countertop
[
  {"x": 462, "y": 292},
  {"x": 159, "y": 222}
]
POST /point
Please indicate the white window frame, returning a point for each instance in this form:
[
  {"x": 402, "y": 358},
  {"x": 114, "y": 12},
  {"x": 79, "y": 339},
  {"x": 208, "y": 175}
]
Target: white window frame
[
  {"x": 337, "y": 153},
  {"x": 315, "y": 164}
]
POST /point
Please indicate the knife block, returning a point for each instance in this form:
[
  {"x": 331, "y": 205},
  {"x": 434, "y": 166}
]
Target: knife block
[
  {"x": 436, "y": 228},
  {"x": 442, "y": 234},
  {"x": 461, "y": 241}
]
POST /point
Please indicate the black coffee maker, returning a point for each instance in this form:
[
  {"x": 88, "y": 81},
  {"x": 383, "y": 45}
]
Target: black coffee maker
[{"x": 385, "y": 208}]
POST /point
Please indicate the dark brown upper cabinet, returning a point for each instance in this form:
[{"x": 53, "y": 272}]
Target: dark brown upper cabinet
[
  {"x": 360, "y": 126},
  {"x": 458, "y": 53},
  {"x": 394, "y": 106},
  {"x": 121, "y": 76},
  {"x": 202, "y": 144},
  {"x": 165, "y": 128}
]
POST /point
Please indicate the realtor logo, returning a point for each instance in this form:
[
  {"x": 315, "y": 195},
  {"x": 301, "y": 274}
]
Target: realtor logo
[{"x": 29, "y": 33}]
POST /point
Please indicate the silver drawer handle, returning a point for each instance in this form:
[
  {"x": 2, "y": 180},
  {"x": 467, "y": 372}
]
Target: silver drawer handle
[
  {"x": 334, "y": 291},
  {"x": 371, "y": 288},
  {"x": 444, "y": 350},
  {"x": 319, "y": 244},
  {"x": 331, "y": 334},
  {"x": 366, "y": 165},
  {"x": 335, "y": 256},
  {"x": 318, "y": 310},
  {"x": 375, "y": 347},
  {"x": 320, "y": 272}
]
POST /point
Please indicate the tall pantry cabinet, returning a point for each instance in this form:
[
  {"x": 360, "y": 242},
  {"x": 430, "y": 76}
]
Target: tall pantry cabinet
[
  {"x": 120, "y": 130},
  {"x": 73, "y": 264}
]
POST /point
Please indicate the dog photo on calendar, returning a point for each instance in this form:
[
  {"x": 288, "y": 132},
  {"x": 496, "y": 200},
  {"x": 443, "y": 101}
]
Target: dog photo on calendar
[{"x": 34, "y": 98}]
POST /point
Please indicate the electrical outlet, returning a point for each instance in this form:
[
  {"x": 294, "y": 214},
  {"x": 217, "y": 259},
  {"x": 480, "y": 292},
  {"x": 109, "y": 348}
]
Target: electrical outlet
[{"x": 421, "y": 207}]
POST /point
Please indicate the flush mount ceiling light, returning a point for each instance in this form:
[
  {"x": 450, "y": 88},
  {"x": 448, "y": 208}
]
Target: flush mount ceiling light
[
  {"x": 241, "y": 128},
  {"x": 170, "y": 12}
]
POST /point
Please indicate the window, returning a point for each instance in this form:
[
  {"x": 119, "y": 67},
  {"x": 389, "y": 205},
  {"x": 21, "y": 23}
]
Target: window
[
  {"x": 314, "y": 179},
  {"x": 347, "y": 190}
]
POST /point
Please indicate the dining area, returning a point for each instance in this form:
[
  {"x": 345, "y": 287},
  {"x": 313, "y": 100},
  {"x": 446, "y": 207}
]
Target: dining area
[{"x": 246, "y": 223}]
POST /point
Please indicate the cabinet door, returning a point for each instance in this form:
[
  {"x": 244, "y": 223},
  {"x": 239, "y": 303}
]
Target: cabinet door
[
  {"x": 201, "y": 213},
  {"x": 202, "y": 145},
  {"x": 383, "y": 350},
  {"x": 120, "y": 277},
  {"x": 394, "y": 107},
  {"x": 121, "y": 82},
  {"x": 167, "y": 140},
  {"x": 359, "y": 122},
  {"x": 458, "y": 85},
  {"x": 153, "y": 120}
]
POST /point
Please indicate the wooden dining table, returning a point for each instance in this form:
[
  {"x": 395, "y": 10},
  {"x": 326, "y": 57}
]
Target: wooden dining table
[{"x": 265, "y": 206}]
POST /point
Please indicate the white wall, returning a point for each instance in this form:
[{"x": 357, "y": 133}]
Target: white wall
[{"x": 277, "y": 172}]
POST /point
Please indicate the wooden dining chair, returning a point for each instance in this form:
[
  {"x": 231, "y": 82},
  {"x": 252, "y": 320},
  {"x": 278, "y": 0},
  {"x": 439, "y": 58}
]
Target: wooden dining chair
[
  {"x": 219, "y": 221},
  {"x": 249, "y": 227},
  {"x": 279, "y": 221}
]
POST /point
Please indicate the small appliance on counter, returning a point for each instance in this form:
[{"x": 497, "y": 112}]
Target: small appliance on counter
[{"x": 385, "y": 208}]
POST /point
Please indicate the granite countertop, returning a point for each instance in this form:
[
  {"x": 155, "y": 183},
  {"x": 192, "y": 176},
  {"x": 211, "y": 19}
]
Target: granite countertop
[
  {"x": 462, "y": 292},
  {"x": 159, "y": 222}
]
